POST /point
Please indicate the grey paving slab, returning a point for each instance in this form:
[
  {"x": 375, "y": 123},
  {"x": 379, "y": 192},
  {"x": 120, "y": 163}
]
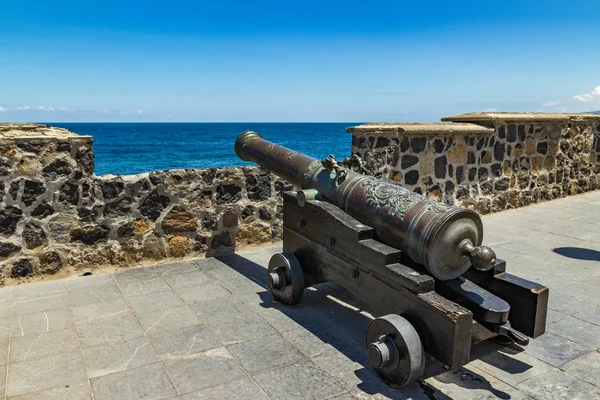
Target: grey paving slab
[
  {"x": 142, "y": 286},
  {"x": 576, "y": 330},
  {"x": 35, "y": 305},
  {"x": 157, "y": 322},
  {"x": 38, "y": 374},
  {"x": 39, "y": 289},
  {"x": 79, "y": 390},
  {"x": 592, "y": 315},
  {"x": 209, "y": 291},
  {"x": 327, "y": 338},
  {"x": 81, "y": 282},
  {"x": 117, "y": 357},
  {"x": 184, "y": 342},
  {"x": 105, "y": 331},
  {"x": 509, "y": 364},
  {"x": 188, "y": 279},
  {"x": 133, "y": 274},
  {"x": 555, "y": 350},
  {"x": 211, "y": 368},
  {"x": 586, "y": 367},
  {"x": 147, "y": 382},
  {"x": 244, "y": 388},
  {"x": 468, "y": 382},
  {"x": 265, "y": 353},
  {"x": 5, "y": 327},
  {"x": 556, "y": 384},
  {"x": 155, "y": 302},
  {"x": 176, "y": 268},
  {"x": 231, "y": 322},
  {"x": 102, "y": 292},
  {"x": 304, "y": 380},
  {"x": 96, "y": 311},
  {"x": 42, "y": 321},
  {"x": 43, "y": 345}
]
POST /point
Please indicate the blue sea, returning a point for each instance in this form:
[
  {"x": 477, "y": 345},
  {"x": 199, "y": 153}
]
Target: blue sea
[{"x": 131, "y": 148}]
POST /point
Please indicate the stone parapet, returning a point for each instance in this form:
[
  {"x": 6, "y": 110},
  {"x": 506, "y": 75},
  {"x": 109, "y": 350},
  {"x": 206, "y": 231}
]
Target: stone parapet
[
  {"x": 486, "y": 161},
  {"x": 56, "y": 214}
]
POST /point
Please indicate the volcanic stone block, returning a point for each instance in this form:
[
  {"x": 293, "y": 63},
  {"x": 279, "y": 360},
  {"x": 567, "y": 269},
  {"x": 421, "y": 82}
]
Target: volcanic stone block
[
  {"x": 32, "y": 147},
  {"x": 248, "y": 212},
  {"x": 34, "y": 236},
  {"x": 89, "y": 234},
  {"x": 69, "y": 193},
  {"x": 264, "y": 214},
  {"x": 258, "y": 187},
  {"x": 418, "y": 144},
  {"x": 8, "y": 248},
  {"x": 229, "y": 193},
  {"x": 118, "y": 208},
  {"x": 112, "y": 189},
  {"x": 21, "y": 268},
  {"x": 85, "y": 158},
  {"x": 441, "y": 165},
  {"x": 411, "y": 177},
  {"x": 9, "y": 218},
  {"x": 63, "y": 146},
  {"x": 56, "y": 168},
  {"x": 209, "y": 222},
  {"x": 14, "y": 188},
  {"x": 31, "y": 191},
  {"x": 408, "y": 161},
  {"x": 50, "y": 262},
  {"x": 154, "y": 205}
]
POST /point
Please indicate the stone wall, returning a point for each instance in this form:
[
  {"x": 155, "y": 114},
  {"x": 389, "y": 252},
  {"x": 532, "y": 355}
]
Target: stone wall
[
  {"x": 56, "y": 214},
  {"x": 485, "y": 161}
]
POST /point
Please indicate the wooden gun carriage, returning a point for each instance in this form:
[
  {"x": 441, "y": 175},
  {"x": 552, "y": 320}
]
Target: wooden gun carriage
[{"x": 439, "y": 305}]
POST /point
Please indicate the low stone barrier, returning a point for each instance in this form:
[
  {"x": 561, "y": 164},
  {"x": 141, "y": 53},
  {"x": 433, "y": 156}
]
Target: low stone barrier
[
  {"x": 55, "y": 213},
  {"x": 485, "y": 161}
]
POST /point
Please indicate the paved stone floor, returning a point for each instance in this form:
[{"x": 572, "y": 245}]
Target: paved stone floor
[{"x": 208, "y": 329}]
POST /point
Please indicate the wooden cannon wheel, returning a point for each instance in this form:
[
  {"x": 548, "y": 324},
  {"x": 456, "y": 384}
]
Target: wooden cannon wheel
[
  {"x": 285, "y": 278},
  {"x": 394, "y": 350}
]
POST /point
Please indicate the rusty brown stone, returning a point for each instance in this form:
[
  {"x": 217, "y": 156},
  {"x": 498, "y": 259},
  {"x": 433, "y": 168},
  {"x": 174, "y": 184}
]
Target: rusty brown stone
[
  {"x": 179, "y": 246},
  {"x": 140, "y": 226},
  {"x": 253, "y": 234},
  {"x": 179, "y": 220}
]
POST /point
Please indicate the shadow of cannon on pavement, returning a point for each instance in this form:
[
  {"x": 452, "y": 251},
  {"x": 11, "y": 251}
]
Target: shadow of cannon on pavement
[{"x": 328, "y": 327}]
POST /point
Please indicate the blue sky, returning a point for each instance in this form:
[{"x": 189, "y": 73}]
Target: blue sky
[{"x": 295, "y": 60}]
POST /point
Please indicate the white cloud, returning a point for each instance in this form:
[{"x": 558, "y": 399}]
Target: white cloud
[
  {"x": 589, "y": 97},
  {"x": 551, "y": 104},
  {"x": 63, "y": 109},
  {"x": 2, "y": 109},
  {"x": 44, "y": 108}
]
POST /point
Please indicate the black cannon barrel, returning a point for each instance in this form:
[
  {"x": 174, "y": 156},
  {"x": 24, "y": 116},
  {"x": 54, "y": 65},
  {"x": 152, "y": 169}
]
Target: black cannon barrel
[{"x": 445, "y": 239}]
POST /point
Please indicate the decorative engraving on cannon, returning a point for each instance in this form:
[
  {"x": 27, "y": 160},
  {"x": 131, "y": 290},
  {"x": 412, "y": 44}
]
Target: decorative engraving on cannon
[{"x": 418, "y": 265}]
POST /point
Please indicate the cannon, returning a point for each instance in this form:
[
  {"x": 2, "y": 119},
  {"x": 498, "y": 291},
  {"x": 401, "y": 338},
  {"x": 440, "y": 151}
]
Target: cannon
[{"x": 419, "y": 266}]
